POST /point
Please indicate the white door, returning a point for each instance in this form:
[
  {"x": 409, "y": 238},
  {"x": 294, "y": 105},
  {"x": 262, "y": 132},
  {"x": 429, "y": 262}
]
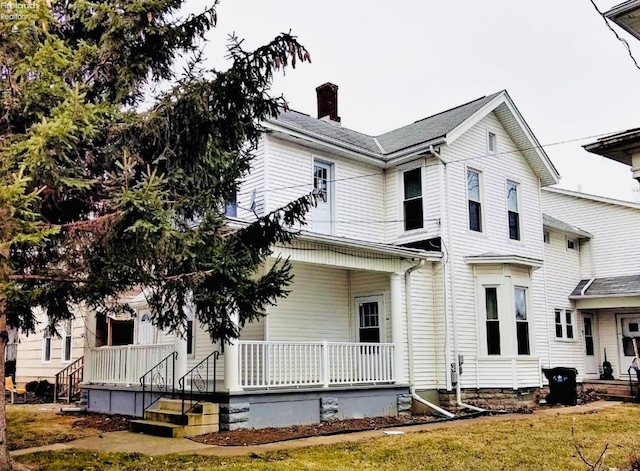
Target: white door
[
  {"x": 590, "y": 359},
  {"x": 370, "y": 312},
  {"x": 628, "y": 333},
  {"x": 146, "y": 330},
  {"x": 322, "y": 186}
]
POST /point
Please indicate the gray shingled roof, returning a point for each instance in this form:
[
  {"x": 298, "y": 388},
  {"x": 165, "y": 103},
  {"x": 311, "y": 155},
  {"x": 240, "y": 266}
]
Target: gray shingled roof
[
  {"x": 433, "y": 127},
  {"x": 558, "y": 225},
  {"x": 614, "y": 286},
  {"x": 422, "y": 131}
]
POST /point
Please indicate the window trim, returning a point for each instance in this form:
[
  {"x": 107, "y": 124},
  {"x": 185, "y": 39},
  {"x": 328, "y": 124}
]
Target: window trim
[
  {"x": 331, "y": 189},
  {"x": 530, "y": 331},
  {"x": 506, "y": 281},
  {"x": 498, "y": 320},
  {"x": 480, "y": 200},
  {"x": 518, "y": 212},
  {"x": 576, "y": 244},
  {"x": 403, "y": 223},
  {"x": 63, "y": 352},
  {"x": 382, "y": 313},
  {"x": 563, "y": 324},
  {"x": 490, "y": 134},
  {"x": 46, "y": 335}
]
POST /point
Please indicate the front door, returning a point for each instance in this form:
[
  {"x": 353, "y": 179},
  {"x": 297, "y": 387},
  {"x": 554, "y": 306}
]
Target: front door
[
  {"x": 146, "y": 330},
  {"x": 590, "y": 360},
  {"x": 628, "y": 333},
  {"x": 322, "y": 187},
  {"x": 370, "y": 319}
]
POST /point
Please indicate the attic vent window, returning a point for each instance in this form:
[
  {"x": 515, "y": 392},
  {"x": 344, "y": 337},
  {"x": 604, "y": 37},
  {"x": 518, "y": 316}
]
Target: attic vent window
[{"x": 492, "y": 142}]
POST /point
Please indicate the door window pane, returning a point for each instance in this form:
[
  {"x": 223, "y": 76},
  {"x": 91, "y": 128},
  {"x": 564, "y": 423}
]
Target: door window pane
[{"x": 369, "y": 321}]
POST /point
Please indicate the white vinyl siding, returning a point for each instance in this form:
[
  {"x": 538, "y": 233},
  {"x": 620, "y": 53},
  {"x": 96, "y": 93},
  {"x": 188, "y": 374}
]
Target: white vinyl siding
[
  {"x": 359, "y": 188},
  {"x": 611, "y": 243},
  {"x": 29, "y": 365},
  {"x": 470, "y": 150},
  {"x": 253, "y": 184}
]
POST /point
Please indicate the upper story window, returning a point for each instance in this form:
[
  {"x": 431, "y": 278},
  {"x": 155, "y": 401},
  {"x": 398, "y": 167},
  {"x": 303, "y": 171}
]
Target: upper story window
[
  {"x": 546, "y": 237},
  {"x": 231, "y": 205},
  {"x": 564, "y": 323},
  {"x": 492, "y": 142},
  {"x": 412, "y": 203},
  {"x": 475, "y": 203},
  {"x": 323, "y": 188},
  {"x": 522, "y": 321},
  {"x": 513, "y": 210},
  {"x": 572, "y": 244}
]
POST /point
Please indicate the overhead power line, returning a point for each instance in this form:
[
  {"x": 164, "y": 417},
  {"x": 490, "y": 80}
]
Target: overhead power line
[
  {"x": 374, "y": 174},
  {"x": 622, "y": 40}
]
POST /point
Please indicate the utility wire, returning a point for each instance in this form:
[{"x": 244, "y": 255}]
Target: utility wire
[
  {"x": 496, "y": 154},
  {"x": 622, "y": 40}
]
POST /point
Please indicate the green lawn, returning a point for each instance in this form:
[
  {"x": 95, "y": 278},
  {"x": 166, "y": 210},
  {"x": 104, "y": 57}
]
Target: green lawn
[{"x": 532, "y": 443}]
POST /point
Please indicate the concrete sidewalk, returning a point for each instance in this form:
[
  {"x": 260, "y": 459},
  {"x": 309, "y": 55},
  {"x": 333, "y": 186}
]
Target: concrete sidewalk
[{"x": 127, "y": 442}]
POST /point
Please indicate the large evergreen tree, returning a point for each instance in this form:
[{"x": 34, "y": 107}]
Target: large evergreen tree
[{"x": 97, "y": 198}]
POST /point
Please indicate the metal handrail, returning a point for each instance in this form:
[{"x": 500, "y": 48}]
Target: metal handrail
[
  {"x": 200, "y": 381},
  {"x": 161, "y": 381}
]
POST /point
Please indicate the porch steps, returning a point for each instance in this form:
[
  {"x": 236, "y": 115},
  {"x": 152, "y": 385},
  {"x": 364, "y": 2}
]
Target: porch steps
[
  {"x": 613, "y": 390},
  {"x": 167, "y": 420}
]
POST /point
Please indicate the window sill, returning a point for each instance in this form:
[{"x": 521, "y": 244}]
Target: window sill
[
  {"x": 506, "y": 357},
  {"x": 564, "y": 340}
]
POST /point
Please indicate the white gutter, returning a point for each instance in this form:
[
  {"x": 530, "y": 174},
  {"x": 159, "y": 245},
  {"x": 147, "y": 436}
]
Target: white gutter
[
  {"x": 409, "y": 320},
  {"x": 448, "y": 256},
  {"x": 587, "y": 286}
]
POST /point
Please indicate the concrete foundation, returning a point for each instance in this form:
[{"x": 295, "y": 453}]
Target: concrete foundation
[{"x": 492, "y": 398}]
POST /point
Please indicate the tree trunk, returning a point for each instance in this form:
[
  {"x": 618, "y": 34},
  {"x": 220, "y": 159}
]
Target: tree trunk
[{"x": 5, "y": 459}]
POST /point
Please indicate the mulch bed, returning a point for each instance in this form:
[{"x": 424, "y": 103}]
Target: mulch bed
[
  {"x": 101, "y": 422},
  {"x": 249, "y": 437}
]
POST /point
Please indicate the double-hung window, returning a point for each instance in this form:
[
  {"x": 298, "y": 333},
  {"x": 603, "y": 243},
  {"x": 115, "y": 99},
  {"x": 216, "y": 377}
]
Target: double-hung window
[
  {"x": 492, "y": 320},
  {"x": 412, "y": 204},
  {"x": 513, "y": 211},
  {"x": 564, "y": 323},
  {"x": 475, "y": 204},
  {"x": 66, "y": 345},
  {"x": 522, "y": 321},
  {"x": 46, "y": 342}
]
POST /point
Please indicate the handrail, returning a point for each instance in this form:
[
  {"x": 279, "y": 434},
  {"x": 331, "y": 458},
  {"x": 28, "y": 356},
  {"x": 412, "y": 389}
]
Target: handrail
[
  {"x": 68, "y": 379},
  {"x": 200, "y": 381},
  {"x": 159, "y": 376}
]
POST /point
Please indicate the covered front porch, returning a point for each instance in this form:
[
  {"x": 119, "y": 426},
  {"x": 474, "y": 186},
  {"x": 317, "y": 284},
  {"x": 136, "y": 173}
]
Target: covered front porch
[{"x": 342, "y": 327}]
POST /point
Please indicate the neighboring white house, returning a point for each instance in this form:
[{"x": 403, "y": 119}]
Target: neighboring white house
[{"x": 424, "y": 271}]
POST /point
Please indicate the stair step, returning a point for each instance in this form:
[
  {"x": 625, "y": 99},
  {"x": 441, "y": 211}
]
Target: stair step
[
  {"x": 159, "y": 429},
  {"x": 163, "y": 429},
  {"x": 175, "y": 405}
]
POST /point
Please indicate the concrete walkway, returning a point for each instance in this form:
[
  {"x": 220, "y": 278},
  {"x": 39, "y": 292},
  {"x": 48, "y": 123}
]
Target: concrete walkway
[{"x": 127, "y": 442}]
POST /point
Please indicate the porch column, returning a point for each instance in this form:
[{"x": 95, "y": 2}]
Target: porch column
[
  {"x": 396, "y": 326},
  {"x": 231, "y": 360},
  {"x": 180, "y": 347}
]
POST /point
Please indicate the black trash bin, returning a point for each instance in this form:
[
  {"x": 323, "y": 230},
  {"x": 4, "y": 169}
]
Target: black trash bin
[{"x": 562, "y": 385}]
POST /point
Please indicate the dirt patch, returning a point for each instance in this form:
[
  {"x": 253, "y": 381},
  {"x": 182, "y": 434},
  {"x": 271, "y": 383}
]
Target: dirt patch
[
  {"x": 249, "y": 437},
  {"x": 101, "y": 422}
]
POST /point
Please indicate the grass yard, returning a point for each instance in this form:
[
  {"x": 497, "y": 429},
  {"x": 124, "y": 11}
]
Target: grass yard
[{"x": 531, "y": 443}]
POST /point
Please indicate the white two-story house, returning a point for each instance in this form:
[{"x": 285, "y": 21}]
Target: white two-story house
[{"x": 423, "y": 276}]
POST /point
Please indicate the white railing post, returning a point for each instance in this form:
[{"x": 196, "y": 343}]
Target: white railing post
[
  {"x": 324, "y": 364},
  {"x": 231, "y": 360},
  {"x": 397, "y": 337},
  {"x": 128, "y": 366},
  {"x": 180, "y": 347}
]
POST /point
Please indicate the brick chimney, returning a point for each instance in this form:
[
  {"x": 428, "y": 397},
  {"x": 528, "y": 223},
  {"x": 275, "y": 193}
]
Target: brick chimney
[{"x": 328, "y": 101}]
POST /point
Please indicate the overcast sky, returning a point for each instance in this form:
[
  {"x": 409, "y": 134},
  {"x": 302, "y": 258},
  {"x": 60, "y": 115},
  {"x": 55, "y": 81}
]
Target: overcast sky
[{"x": 397, "y": 62}]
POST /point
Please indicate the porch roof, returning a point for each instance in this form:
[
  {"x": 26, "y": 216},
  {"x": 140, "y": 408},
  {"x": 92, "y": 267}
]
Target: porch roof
[
  {"x": 561, "y": 226},
  {"x": 616, "y": 286},
  {"x": 346, "y": 242}
]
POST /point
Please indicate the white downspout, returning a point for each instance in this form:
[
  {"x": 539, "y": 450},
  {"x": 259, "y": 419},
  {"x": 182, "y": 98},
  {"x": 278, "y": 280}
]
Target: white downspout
[
  {"x": 409, "y": 320},
  {"x": 453, "y": 296}
]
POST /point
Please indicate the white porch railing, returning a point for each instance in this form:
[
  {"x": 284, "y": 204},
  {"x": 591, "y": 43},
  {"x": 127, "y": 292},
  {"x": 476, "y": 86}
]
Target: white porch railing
[
  {"x": 122, "y": 365},
  {"x": 294, "y": 364}
]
